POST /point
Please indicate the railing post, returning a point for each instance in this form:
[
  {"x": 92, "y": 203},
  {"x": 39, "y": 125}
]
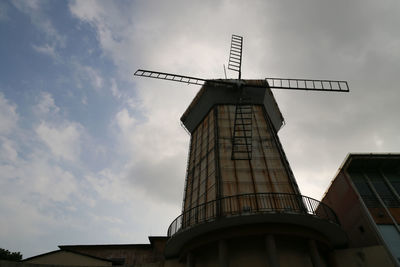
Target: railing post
[
  {"x": 274, "y": 201},
  {"x": 257, "y": 207},
  {"x": 310, "y": 206}
]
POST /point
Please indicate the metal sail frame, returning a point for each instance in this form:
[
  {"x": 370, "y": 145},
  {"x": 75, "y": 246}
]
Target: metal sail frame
[
  {"x": 235, "y": 54},
  {"x": 273, "y": 83}
]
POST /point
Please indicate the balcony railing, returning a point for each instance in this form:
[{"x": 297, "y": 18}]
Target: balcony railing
[{"x": 251, "y": 204}]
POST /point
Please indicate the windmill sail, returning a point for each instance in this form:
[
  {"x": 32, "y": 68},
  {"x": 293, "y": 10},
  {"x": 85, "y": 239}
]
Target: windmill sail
[
  {"x": 169, "y": 77},
  {"x": 235, "y": 54},
  {"x": 306, "y": 84}
]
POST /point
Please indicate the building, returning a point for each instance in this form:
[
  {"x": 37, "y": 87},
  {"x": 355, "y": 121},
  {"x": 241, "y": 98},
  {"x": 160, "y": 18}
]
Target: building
[
  {"x": 66, "y": 257},
  {"x": 365, "y": 196},
  {"x": 105, "y": 255}
]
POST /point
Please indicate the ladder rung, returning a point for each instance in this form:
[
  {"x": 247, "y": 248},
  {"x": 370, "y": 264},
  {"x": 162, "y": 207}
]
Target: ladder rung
[
  {"x": 241, "y": 142},
  {"x": 243, "y": 129},
  {"x": 242, "y": 151},
  {"x": 237, "y": 147}
]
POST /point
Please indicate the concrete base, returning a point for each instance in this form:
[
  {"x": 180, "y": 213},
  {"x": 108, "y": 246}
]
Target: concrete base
[{"x": 306, "y": 226}]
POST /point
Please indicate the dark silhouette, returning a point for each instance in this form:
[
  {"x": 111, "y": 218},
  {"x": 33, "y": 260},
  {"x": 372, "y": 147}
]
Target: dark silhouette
[{"x": 10, "y": 256}]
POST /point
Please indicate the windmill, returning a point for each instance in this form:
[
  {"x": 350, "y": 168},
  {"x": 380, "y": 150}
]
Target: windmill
[
  {"x": 242, "y": 130},
  {"x": 236, "y": 164}
]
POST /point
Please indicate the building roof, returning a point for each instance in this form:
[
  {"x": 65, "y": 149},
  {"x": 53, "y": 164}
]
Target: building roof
[
  {"x": 372, "y": 160},
  {"x": 369, "y": 160},
  {"x": 66, "y": 250},
  {"x": 210, "y": 94},
  {"x": 72, "y": 248},
  {"x": 152, "y": 239}
]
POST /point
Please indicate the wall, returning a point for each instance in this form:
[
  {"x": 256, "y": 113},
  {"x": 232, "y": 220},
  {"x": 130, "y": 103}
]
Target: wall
[
  {"x": 201, "y": 170},
  {"x": 343, "y": 199},
  {"x": 265, "y": 172},
  {"x": 130, "y": 254},
  {"x": 251, "y": 250},
  {"x": 212, "y": 173},
  {"x": 68, "y": 258},
  {"x": 22, "y": 264},
  {"x": 367, "y": 257}
]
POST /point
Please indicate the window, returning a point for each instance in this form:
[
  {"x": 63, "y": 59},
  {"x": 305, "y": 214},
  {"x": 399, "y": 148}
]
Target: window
[
  {"x": 391, "y": 237},
  {"x": 394, "y": 179},
  {"x": 383, "y": 190},
  {"x": 364, "y": 190}
]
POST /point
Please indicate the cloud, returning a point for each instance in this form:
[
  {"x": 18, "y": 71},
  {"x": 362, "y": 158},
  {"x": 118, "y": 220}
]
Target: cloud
[
  {"x": 110, "y": 185},
  {"x": 32, "y": 185},
  {"x": 27, "y": 6},
  {"x": 114, "y": 89},
  {"x": 47, "y": 49},
  {"x": 122, "y": 40},
  {"x": 8, "y": 130},
  {"x": 93, "y": 76},
  {"x": 85, "y": 73},
  {"x": 39, "y": 176},
  {"x": 87, "y": 10},
  {"x": 8, "y": 115},
  {"x": 53, "y": 182},
  {"x": 62, "y": 137},
  {"x": 34, "y": 10},
  {"x": 3, "y": 11},
  {"x": 53, "y": 39},
  {"x": 46, "y": 104},
  {"x": 63, "y": 140},
  {"x": 154, "y": 151},
  {"x": 125, "y": 121},
  {"x": 8, "y": 150}
]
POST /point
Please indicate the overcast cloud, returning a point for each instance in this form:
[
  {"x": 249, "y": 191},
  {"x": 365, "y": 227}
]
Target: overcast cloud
[{"x": 91, "y": 155}]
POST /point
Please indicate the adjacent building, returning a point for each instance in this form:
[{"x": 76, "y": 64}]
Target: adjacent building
[
  {"x": 365, "y": 195},
  {"x": 105, "y": 255}
]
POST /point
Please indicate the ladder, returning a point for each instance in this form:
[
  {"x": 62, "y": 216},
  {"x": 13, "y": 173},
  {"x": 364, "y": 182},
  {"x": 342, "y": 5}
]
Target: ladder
[{"x": 242, "y": 131}]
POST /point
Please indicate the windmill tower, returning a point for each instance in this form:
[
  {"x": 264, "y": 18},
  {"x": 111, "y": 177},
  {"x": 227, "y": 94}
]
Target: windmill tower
[{"x": 239, "y": 186}]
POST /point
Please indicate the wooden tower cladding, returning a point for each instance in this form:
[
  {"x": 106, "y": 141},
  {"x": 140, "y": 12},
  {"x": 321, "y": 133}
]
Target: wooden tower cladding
[{"x": 213, "y": 170}]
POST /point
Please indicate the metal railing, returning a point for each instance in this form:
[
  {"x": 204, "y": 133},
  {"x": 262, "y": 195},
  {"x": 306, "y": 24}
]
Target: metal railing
[{"x": 251, "y": 204}]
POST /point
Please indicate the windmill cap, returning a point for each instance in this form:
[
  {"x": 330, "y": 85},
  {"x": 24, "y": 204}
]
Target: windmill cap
[{"x": 215, "y": 93}]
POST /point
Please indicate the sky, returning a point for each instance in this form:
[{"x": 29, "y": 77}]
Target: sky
[{"x": 90, "y": 154}]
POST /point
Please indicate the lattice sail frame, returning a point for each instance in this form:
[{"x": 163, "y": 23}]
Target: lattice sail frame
[
  {"x": 273, "y": 83},
  {"x": 235, "y": 54}
]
